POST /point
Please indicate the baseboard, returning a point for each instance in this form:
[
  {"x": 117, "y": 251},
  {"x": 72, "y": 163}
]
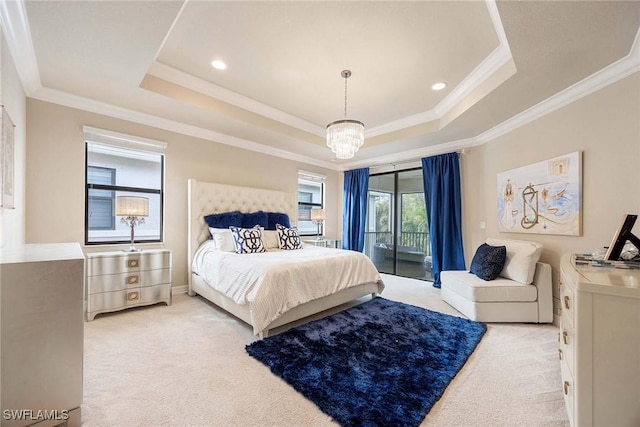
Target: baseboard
[{"x": 177, "y": 290}]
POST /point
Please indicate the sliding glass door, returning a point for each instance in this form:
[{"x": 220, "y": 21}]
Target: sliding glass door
[{"x": 397, "y": 237}]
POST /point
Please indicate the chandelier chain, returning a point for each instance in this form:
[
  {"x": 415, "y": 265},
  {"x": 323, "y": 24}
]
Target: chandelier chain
[{"x": 345, "y": 97}]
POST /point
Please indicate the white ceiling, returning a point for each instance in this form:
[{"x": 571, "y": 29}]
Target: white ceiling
[{"x": 149, "y": 61}]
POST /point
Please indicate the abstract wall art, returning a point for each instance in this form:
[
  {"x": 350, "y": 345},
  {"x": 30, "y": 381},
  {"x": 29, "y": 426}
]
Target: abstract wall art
[{"x": 543, "y": 197}]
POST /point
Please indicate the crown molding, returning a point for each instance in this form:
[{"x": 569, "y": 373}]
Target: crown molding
[
  {"x": 90, "y": 105},
  {"x": 490, "y": 65},
  {"x": 620, "y": 69},
  {"x": 15, "y": 27},
  {"x": 181, "y": 78},
  {"x": 18, "y": 36},
  {"x": 482, "y": 72},
  {"x": 412, "y": 155}
]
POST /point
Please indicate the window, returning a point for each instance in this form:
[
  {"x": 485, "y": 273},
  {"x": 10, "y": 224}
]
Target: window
[
  {"x": 102, "y": 203},
  {"x": 122, "y": 165},
  {"x": 310, "y": 196}
]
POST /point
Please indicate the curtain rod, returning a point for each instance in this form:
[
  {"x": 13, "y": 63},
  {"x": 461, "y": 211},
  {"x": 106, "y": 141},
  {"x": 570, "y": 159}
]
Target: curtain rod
[{"x": 407, "y": 164}]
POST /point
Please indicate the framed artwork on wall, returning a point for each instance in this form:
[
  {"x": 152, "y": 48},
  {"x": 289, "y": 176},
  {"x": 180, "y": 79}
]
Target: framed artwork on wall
[
  {"x": 543, "y": 197},
  {"x": 7, "y": 151}
]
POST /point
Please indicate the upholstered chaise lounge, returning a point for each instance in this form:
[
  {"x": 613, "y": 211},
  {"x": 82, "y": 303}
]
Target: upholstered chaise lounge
[{"x": 521, "y": 293}]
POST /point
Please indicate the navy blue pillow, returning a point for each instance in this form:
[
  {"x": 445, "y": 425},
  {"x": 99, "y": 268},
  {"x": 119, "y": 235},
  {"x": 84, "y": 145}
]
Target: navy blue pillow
[
  {"x": 250, "y": 220},
  {"x": 488, "y": 261},
  {"x": 274, "y": 218},
  {"x": 224, "y": 220}
]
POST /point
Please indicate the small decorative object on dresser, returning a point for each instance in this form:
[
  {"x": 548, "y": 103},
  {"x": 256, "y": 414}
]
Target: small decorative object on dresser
[
  {"x": 119, "y": 280},
  {"x": 599, "y": 343},
  {"x": 317, "y": 216},
  {"x": 132, "y": 210}
]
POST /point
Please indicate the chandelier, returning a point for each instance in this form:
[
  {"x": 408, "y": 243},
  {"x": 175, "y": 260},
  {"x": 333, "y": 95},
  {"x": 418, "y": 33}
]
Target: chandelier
[{"x": 346, "y": 136}]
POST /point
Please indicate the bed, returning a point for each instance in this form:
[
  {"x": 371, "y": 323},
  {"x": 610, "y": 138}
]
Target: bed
[{"x": 207, "y": 198}]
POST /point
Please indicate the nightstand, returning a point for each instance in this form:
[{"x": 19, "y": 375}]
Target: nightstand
[
  {"x": 325, "y": 243},
  {"x": 118, "y": 280}
]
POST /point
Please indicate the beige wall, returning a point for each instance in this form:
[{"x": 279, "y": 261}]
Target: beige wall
[
  {"x": 55, "y": 176},
  {"x": 12, "y": 226},
  {"x": 605, "y": 126}
]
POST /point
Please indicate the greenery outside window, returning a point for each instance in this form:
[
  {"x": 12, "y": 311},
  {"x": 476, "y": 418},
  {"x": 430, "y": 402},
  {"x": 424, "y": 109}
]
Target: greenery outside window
[{"x": 122, "y": 165}]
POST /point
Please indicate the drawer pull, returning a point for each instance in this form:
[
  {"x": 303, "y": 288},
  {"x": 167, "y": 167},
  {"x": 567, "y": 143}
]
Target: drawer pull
[
  {"x": 133, "y": 280},
  {"x": 558, "y": 336},
  {"x": 133, "y": 296},
  {"x": 559, "y": 354},
  {"x": 565, "y": 386},
  {"x": 566, "y": 302},
  {"x": 131, "y": 263},
  {"x": 565, "y": 337}
]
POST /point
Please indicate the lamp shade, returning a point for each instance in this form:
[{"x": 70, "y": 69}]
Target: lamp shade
[
  {"x": 132, "y": 206},
  {"x": 318, "y": 215}
]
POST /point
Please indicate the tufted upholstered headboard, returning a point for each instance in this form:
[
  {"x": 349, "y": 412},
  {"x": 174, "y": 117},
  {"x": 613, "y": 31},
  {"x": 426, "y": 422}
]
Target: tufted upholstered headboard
[{"x": 205, "y": 198}]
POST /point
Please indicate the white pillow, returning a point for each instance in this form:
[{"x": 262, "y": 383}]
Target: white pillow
[
  {"x": 522, "y": 257},
  {"x": 270, "y": 238},
  {"x": 223, "y": 239}
]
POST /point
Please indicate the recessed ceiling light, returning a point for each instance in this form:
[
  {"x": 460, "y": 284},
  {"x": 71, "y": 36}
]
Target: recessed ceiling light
[
  {"x": 439, "y": 86},
  {"x": 218, "y": 64}
]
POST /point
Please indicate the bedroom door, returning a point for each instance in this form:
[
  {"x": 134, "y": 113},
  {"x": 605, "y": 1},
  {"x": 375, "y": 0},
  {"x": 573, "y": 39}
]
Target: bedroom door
[{"x": 397, "y": 236}]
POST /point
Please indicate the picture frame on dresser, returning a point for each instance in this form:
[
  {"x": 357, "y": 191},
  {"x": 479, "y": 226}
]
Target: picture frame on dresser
[{"x": 118, "y": 280}]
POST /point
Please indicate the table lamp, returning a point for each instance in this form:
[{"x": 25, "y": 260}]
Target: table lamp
[
  {"x": 132, "y": 210},
  {"x": 317, "y": 216}
]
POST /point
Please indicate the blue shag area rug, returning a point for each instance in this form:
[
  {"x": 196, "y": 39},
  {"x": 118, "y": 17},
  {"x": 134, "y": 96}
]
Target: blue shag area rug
[{"x": 380, "y": 363}]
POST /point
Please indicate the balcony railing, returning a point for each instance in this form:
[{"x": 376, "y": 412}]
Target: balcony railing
[
  {"x": 413, "y": 253},
  {"x": 415, "y": 239}
]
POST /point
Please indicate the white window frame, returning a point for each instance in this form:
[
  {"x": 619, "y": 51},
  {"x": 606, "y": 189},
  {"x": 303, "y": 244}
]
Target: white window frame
[
  {"x": 304, "y": 176},
  {"x": 143, "y": 147}
]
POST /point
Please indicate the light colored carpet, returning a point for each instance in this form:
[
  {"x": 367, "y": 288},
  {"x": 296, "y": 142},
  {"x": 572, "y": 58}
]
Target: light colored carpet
[{"x": 185, "y": 365}]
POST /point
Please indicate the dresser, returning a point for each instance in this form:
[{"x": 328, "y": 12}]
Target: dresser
[
  {"x": 42, "y": 333},
  {"x": 118, "y": 280},
  {"x": 600, "y": 344}
]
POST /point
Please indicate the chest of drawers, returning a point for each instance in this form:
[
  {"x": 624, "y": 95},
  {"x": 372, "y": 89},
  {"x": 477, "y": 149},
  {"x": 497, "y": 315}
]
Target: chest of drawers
[
  {"x": 41, "y": 334},
  {"x": 600, "y": 344},
  {"x": 119, "y": 280}
]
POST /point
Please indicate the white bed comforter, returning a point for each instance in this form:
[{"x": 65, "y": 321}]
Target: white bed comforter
[{"x": 276, "y": 281}]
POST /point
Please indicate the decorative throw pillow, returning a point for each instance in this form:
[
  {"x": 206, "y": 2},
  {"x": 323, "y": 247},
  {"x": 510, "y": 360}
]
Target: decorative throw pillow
[
  {"x": 224, "y": 220},
  {"x": 251, "y": 219},
  {"x": 274, "y": 218},
  {"x": 270, "y": 238},
  {"x": 288, "y": 238},
  {"x": 522, "y": 256},
  {"x": 222, "y": 239},
  {"x": 247, "y": 240},
  {"x": 488, "y": 261}
]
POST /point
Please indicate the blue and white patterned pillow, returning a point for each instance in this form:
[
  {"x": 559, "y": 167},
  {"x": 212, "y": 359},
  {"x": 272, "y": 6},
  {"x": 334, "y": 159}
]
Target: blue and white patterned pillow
[
  {"x": 247, "y": 240},
  {"x": 288, "y": 238}
]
